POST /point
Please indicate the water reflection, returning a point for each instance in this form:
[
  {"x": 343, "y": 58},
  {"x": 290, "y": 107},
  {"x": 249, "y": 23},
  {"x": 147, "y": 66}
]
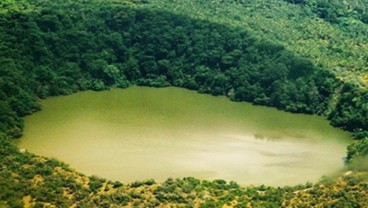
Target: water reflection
[
  {"x": 141, "y": 133},
  {"x": 267, "y": 138}
]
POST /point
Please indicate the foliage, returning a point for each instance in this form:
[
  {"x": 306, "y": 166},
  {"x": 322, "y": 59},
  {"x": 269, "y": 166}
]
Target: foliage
[
  {"x": 336, "y": 11},
  {"x": 300, "y": 26},
  {"x": 299, "y": 56},
  {"x": 72, "y": 46},
  {"x": 34, "y": 181},
  {"x": 351, "y": 111},
  {"x": 358, "y": 149}
]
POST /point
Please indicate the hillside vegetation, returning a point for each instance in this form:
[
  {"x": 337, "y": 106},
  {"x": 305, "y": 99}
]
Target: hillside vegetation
[
  {"x": 298, "y": 56},
  {"x": 331, "y": 32},
  {"x": 34, "y": 181}
]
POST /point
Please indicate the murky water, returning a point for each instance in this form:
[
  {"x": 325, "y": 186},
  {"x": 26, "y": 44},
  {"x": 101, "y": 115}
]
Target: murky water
[{"x": 141, "y": 133}]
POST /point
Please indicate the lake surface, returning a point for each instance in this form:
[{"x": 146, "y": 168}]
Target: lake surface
[{"x": 141, "y": 133}]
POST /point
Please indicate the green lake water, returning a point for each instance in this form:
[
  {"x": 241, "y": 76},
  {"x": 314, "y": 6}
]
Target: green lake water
[{"x": 142, "y": 133}]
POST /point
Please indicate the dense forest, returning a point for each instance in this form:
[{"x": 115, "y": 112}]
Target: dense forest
[{"x": 226, "y": 47}]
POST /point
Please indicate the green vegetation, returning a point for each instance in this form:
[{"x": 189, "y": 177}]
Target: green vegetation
[
  {"x": 33, "y": 181},
  {"x": 299, "y": 56},
  {"x": 73, "y": 46},
  {"x": 303, "y": 27}
]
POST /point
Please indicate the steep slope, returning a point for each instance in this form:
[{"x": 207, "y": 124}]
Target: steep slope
[
  {"x": 53, "y": 48},
  {"x": 332, "y": 33},
  {"x": 270, "y": 53}
]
